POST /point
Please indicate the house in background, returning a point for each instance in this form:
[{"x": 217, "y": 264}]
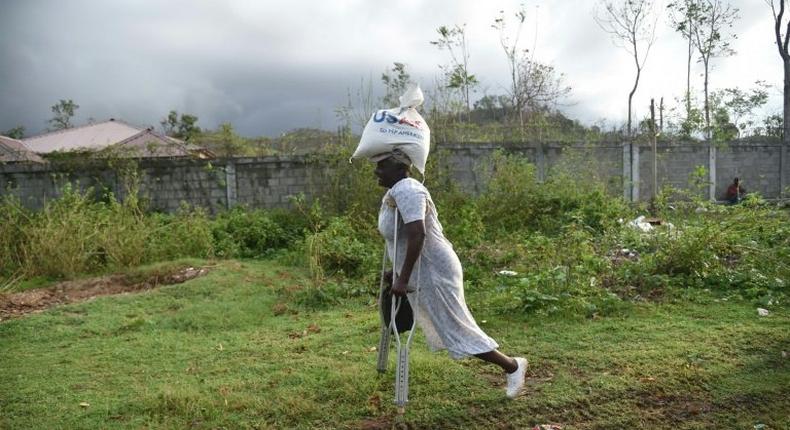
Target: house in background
[
  {"x": 14, "y": 151},
  {"x": 113, "y": 137}
]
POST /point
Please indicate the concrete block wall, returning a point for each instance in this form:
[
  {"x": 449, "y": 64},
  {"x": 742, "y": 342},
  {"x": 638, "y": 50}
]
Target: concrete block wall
[
  {"x": 602, "y": 163},
  {"x": 757, "y": 165},
  {"x": 35, "y": 184},
  {"x": 271, "y": 182},
  {"x": 165, "y": 184},
  {"x": 468, "y": 165},
  {"x": 676, "y": 164}
]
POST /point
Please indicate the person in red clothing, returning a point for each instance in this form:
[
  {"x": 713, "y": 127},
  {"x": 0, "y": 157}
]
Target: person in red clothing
[{"x": 735, "y": 191}]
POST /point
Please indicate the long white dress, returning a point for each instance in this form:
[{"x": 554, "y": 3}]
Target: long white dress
[{"x": 441, "y": 312}]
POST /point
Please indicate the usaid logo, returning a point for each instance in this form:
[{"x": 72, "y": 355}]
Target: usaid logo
[{"x": 382, "y": 115}]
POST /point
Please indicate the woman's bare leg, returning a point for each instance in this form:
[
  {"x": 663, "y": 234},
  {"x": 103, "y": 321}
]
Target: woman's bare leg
[{"x": 508, "y": 364}]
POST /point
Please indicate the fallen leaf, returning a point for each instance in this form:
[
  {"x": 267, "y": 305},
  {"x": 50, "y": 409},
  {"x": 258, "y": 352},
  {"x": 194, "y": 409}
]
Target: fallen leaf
[
  {"x": 84, "y": 404},
  {"x": 372, "y": 349},
  {"x": 313, "y": 328},
  {"x": 344, "y": 352}
]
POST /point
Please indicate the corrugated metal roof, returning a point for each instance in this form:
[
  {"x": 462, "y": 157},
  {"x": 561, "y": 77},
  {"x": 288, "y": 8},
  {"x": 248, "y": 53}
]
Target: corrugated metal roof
[
  {"x": 14, "y": 151},
  {"x": 147, "y": 144},
  {"x": 91, "y": 137}
]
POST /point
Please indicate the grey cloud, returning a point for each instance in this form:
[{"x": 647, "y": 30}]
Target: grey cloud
[{"x": 269, "y": 66}]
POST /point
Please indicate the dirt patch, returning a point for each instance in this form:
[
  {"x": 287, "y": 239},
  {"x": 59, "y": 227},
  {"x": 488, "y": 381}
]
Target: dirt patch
[
  {"x": 380, "y": 423},
  {"x": 31, "y": 301}
]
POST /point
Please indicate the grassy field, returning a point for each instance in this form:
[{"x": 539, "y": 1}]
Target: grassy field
[{"x": 236, "y": 349}]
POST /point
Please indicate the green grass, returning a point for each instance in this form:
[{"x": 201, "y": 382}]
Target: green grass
[{"x": 233, "y": 349}]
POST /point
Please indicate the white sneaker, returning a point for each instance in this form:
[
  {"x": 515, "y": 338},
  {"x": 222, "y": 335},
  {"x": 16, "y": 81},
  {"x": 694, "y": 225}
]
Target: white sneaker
[{"x": 515, "y": 380}]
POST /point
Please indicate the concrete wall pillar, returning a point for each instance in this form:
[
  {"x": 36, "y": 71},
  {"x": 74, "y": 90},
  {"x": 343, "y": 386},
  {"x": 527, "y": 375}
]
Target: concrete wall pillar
[
  {"x": 712, "y": 172},
  {"x": 627, "y": 179},
  {"x": 634, "y": 173},
  {"x": 783, "y": 173},
  {"x": 231, "y": 187}
]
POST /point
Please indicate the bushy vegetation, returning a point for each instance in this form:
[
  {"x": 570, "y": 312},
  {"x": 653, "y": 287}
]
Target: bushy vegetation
[{"x": 565, "y": 243}]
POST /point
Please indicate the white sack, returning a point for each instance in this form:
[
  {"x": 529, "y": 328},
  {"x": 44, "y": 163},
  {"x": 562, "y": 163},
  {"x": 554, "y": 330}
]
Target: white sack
[{"x": 402, "y": 127}]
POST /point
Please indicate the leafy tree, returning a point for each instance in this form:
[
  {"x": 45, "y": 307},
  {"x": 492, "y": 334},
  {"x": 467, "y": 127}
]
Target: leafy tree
[
  {"x": 740, "y": 105},
  {"x": 170, "y": 123},
  {"x": 773, "y": 126},
  {"x": 64, "y": 111},
  {"x": 723, "y": 129},
  {"x": 187, "y": 128},
  {"x": 181, "y": 127},
  {"x": 395, "y": 83},
  {"x": 17, "y": 132},
  {"x": 491, "y": 108},
  {"x": 694, "y": 120},
  {"x": 453, "y": 40},
  {"x": 230, "y": 144},
  {"x": 632, "y": 26},
  {"x": 714, "y": 17}
]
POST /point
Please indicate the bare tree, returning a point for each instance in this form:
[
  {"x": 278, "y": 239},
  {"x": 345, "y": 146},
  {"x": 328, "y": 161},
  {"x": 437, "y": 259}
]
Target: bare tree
[
  {"x": 632, "y": 26},
  {"x": 540, "y": 85},
  {"x": 514, "y": 54},
  {"x": 684, "y": 15},
  {"x": 782, "y": 45},
  {"x": 711, "y": 41},
  {"x": 453, "y": 40},
  {"x": 354, "y": 115}
]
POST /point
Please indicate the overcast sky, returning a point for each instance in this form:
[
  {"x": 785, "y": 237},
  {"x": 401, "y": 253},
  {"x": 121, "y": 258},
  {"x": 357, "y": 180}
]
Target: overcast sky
[{"x": 271, "y": 66}]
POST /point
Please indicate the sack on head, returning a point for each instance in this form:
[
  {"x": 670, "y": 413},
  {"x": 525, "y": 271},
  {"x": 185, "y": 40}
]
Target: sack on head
[{"x": 402, "y": 127}]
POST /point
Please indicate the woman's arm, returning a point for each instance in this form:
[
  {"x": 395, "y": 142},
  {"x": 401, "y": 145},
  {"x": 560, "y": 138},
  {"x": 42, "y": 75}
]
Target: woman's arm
[{"x": 415, "y": 238}]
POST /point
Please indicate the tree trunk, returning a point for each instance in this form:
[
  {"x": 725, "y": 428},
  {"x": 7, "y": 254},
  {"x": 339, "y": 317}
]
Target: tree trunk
[
  {"x": 786, "y": 116},
  {"x": 631, "y": 96},
  {"x": 688, "y": 81},
  {"x": 707, "y": 106}
]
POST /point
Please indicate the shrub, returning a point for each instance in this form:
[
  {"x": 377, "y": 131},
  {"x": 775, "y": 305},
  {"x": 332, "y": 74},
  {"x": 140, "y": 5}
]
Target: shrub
[
  {"x": 187, "y": 233},
  {"x": 14, "y": 221},
  {"x": 339, "y": 250},
  {"x": 514, "y": 200},
  {"x": 247, "y": 233},
  {"x": 62, "y": 240},
  {"x": 123, "y": 238}
]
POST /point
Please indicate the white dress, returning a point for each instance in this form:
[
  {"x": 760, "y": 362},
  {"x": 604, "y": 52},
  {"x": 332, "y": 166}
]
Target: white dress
[{"x": 441, "y": 312}]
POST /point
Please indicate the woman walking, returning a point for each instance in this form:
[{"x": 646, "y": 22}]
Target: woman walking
[{"x": 441, "y": 311}]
